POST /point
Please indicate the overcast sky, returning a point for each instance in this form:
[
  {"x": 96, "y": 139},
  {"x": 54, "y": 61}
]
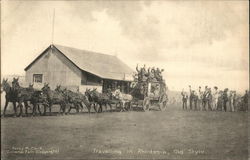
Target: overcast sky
[{"x": 196, "y": 42}]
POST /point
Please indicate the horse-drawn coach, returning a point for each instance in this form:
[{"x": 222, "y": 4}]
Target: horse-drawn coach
[
  {"x": 149, "y": 95},
  {"x": 148, "y": 90}
]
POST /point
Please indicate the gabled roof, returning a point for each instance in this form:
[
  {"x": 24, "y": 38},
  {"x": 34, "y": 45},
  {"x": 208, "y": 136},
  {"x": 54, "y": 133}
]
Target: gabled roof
[{"x": 102, "y": 65}]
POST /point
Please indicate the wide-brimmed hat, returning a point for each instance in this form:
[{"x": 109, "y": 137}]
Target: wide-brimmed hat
[{"x": 215, "y": 87}]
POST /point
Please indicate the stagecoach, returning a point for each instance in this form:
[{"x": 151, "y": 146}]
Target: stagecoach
[{"x": 150, "y": 95}]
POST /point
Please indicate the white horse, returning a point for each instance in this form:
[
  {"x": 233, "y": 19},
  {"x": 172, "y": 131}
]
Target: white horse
[{"x": 123, "y": 98}]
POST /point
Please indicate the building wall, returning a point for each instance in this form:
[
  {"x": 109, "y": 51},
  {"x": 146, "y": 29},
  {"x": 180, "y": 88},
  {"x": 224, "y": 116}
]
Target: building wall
[{"x": 56, "y": 70}]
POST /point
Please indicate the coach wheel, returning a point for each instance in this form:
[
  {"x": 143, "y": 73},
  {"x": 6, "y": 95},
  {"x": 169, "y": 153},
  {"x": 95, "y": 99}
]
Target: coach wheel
[
  {"x": 163, "y": 102},
  {"x": 146, "y": 104}
]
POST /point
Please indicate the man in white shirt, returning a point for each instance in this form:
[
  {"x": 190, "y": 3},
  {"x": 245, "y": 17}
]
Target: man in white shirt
[
  {"x": 215, "y": 98},
  {"x": 184, "y": 99},
  {"x": 199, "y": 101}
]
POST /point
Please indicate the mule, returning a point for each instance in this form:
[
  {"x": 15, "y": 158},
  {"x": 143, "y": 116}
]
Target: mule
[
  {"x": 53, "y": 98},
  {"x": 37, "y": 99},
  {"x": 99, "y": 99},
  {"x": 24, "y": 95},
  {"x": 10, "y": 96},
  {"x": 77, "y": 99}
]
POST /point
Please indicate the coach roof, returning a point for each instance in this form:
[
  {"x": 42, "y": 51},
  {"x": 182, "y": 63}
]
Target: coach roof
[{"x": 102, "y": 65}]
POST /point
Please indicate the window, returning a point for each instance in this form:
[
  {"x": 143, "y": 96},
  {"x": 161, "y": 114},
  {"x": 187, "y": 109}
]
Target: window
[{"x": 37, "y": 78}]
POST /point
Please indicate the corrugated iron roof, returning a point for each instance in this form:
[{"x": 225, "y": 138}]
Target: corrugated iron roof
[{"x": 102, "y": 65}]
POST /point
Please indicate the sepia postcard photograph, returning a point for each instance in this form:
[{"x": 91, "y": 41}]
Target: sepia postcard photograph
[{"x": 125, "y": 79}]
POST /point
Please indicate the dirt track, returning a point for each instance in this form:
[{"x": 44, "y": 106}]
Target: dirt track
[{"x": 170, "y": 134}]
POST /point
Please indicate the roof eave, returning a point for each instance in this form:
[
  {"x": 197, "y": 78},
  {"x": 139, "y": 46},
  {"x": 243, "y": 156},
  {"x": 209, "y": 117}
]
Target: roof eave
[{"x": 37, "y": 58}]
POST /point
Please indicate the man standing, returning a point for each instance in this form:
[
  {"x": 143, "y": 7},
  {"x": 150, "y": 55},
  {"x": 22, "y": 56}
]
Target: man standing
[
  {"x": 231, "y": 100},
  {"x": 225, "y": 99},
  {"x": 204, "y": 98},
  {"x": 215, "y": 98},
  {"x": 200, "y": 95},
  {"x": 209, "y": 99},
  {"x": 184, "y": 99},
  {"x": 234, "y": 101},
  {"x": 245, "y": 101},
  {"x": 191, "y": 96},
  {"x": 195, "y": 99}
]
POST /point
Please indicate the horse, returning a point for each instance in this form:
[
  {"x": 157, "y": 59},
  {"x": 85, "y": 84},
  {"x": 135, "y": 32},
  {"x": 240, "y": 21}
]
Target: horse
[
  {"x": 99, "y": 98},
  {"x": 54, "y": 97},
  {"x": 24, "y": 95},
  {"x": 10, "y": 96},
  {"x": 38, "y": 98},
  {"x": 124, "y": 99},
  {"x": 75, "y": 98}
]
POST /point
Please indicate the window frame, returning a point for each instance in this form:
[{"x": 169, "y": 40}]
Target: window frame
[{"x": 35, "y": 78}]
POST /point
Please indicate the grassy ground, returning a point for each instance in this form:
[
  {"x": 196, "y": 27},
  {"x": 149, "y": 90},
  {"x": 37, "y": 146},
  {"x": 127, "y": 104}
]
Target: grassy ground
[{"x": 172, "y": 134}]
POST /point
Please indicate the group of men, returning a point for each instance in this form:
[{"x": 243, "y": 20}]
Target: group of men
[
  {"x": 212, "y": 99},
  {"x": 148, "y": 75}
]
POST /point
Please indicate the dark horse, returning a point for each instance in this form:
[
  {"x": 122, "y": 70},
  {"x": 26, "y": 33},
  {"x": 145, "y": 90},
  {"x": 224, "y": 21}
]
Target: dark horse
[
  {"x": 98, "y": 99},
  {"x": 54, "y": 97},
  {"x": 74, "y": 98},
  {"x": 25, "y": 95},
  {"x": 10, "y": 96},
  {"x": 37, "y": 99}
]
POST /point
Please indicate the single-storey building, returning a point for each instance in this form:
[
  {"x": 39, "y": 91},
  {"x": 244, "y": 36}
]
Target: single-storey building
[{"x": 78, "y": 70}]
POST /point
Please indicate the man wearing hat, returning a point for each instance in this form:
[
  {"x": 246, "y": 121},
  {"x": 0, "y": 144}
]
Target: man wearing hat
[
  {"x": 184, "y": 99},
  {"x": 225, "y": 99},
  {"x": 191, "y": 98},
  {"x": 199, "y": 101},
  {"x": 215, "y": 98},
  {"x": 205, "y": 98}
]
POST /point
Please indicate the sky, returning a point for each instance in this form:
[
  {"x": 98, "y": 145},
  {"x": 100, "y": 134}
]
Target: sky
[{"x": 197, "y": 43}]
